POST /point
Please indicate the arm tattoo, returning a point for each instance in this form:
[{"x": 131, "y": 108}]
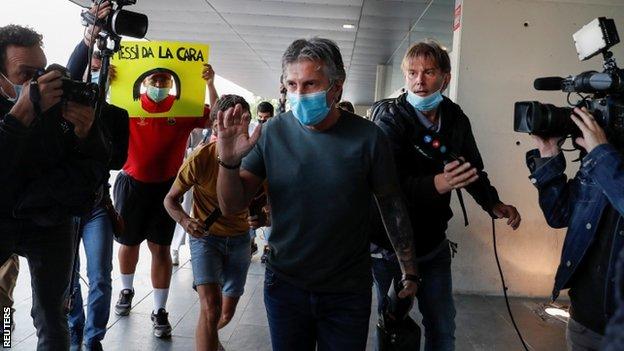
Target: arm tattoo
[{"x": 399, "y": 230}]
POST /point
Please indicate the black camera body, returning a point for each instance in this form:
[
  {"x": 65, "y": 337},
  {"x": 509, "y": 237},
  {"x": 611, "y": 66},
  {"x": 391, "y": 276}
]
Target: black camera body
[
  {"x": 73, "y": 90},
  {"x": 606, "y": 102}
]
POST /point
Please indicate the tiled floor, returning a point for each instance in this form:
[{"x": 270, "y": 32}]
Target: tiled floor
[{"x": 482, "y": 322}]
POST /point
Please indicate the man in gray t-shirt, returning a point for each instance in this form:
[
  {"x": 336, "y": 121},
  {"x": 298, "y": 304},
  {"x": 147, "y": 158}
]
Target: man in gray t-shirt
[
  {"x": 322, "y": 166},
  {"x": 319, "y": 185}
]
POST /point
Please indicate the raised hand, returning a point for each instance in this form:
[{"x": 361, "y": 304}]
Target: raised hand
[
  {"x": 233, "y": 140},
  {"x": 208, "y": 74}
]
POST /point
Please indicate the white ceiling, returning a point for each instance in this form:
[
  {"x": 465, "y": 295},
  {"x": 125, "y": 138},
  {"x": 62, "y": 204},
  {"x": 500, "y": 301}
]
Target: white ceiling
[{"x": 247, "y": 37}]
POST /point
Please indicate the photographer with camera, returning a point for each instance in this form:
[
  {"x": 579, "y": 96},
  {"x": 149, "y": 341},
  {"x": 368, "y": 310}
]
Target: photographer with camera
[
  {"x": 428, "y": 176},
  {"x": 590, "y": 205},
  {"x": 98, "y": 227},
  {"x": 54, "y": 158}
]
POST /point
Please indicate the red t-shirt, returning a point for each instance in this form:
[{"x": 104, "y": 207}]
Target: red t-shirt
[
  {"x": 156, "y": 147},
  {"x": 157, "y": 107}
]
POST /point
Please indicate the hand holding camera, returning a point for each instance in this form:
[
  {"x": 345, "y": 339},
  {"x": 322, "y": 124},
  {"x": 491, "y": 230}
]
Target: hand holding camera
[
  {"x": 103, "y": 10},
  {"x": 81, "y": 116},
  {"x": 50, "y": 92},
  {"x": 547, "y": 146},
  {"x": 593, "y": 134}
]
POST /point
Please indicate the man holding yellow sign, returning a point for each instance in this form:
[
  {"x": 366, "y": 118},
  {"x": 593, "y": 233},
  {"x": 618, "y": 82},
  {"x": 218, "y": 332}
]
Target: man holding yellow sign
[{"x": 160, "y": 85}]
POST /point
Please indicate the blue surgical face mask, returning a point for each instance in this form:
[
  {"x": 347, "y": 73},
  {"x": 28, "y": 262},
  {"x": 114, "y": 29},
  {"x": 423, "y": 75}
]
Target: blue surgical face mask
[
  {"x": 95, "y": 77},
  {"x": 157, "y": 94},
  {"x": 426, "y": 103},
  {"x": 310, "y": 109},
  {"x": 17, "y": 88}
]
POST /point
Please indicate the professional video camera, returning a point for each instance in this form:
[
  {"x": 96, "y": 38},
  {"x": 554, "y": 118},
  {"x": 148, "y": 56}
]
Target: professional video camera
[
  {"x": 606, "y": 89},
  {"x": 119, "y": 22},
  {"x": 77, "y": 91}
]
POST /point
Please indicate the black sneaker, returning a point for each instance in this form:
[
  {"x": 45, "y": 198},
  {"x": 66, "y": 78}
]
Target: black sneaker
[
  {"x": 162, "y": 328},
  {"x": 124, "y": 304}
]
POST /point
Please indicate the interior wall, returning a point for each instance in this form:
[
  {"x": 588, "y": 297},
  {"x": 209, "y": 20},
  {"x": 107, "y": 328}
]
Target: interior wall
[{"x": 501, "y": 47}]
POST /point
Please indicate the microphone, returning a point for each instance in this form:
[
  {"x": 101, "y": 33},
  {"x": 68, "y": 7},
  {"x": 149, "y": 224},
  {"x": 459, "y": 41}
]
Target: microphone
[{"x": 548, "y": 83}]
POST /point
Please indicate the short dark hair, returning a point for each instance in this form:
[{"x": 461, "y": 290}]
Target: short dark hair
[
  {"x": 428, "y": 49},
  {"x": 317, "y": 49},
  {"x": 226, "y": 101},
  {"x": 18, "y": 36},
  {"x": 265, "y": 107},
  {"x": 347, "y": 106}
]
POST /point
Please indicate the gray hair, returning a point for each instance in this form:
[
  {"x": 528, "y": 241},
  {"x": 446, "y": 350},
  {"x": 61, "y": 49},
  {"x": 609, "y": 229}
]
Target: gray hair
[{"x": 316, "y": 49}]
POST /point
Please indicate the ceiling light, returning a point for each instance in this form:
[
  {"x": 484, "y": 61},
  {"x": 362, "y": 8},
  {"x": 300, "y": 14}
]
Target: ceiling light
[{"x": 348, "y": 26}]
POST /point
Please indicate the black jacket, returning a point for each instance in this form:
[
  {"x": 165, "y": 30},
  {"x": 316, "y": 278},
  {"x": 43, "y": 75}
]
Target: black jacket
[
  {"x": 47, "y": 173},
  {"x": 429, "y": 210}
]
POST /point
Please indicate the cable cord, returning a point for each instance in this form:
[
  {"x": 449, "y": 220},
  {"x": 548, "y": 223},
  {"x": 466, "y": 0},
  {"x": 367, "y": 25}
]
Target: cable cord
[{"x": 500, "y": 271}]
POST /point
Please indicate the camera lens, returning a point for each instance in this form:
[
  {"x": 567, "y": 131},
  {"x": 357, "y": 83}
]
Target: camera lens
[{"x": 128, "y": 23}]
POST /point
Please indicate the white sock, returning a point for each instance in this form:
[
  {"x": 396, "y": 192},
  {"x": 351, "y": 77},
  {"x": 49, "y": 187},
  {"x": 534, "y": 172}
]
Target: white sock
[
  {"x": 160, "y": 299},
  {"x": 127, "y": 281}
]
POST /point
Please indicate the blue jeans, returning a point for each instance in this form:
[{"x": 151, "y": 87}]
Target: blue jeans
[
  {"x": 300, "y": 319},
  {"x": 435, "y": 296},
  {"x": 97, "y": 238},
  {"x": 49, "y": 251}
]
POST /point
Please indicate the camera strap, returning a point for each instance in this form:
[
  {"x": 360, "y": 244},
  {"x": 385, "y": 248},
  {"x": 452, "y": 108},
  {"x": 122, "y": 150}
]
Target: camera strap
[
  {"x": 432, "y": 145},
  {"x": 35, "y": 96}
]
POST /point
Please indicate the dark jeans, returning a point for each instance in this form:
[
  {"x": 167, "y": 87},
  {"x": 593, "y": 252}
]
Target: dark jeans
[
  {"x": 435, "y": 296},
  {"x": 97, "y": 238},
  {"x": 300, "y": 319},
  {"x": 49, "y": 251}
]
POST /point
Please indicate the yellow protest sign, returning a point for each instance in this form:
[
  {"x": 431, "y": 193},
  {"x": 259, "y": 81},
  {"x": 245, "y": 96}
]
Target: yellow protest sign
[{"x": 159, "y": 78}]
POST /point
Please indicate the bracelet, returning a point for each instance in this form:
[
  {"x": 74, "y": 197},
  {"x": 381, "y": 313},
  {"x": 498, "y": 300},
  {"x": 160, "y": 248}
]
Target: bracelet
[{"x": 226, "y": 166}]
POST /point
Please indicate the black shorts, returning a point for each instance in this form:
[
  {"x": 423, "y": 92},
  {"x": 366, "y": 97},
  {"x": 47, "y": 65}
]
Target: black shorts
[{"x": 141, "y": 206}]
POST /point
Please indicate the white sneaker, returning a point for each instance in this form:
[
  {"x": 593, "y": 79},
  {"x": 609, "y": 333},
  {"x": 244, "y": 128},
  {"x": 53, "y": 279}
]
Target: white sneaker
[{"x": 175, "y": 257}]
